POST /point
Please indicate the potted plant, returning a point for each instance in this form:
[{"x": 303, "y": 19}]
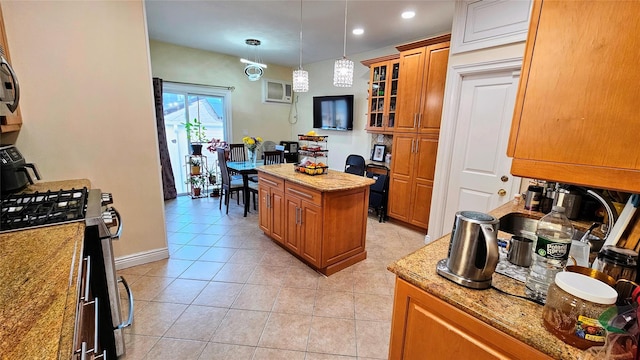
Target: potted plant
[
  {"x": 196, "y": 135},
  {"x": 196, "y": 184},
  {"x": 195, "y": 165}
]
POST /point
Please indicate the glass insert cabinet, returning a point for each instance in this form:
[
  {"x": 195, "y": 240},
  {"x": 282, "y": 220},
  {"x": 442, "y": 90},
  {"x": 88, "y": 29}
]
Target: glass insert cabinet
[{"x": 383, "y": 90}]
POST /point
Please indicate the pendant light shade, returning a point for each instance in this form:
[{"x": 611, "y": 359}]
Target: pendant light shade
[
  {"x": 300, "y": 80},
  {"x": 343, "y": 73},
  {"x": 343, "y": 68},
  {"x": 300, "y": 76}
]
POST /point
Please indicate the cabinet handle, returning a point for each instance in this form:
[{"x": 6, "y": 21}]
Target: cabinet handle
[
  {"x": 419, "y": 120},
  {"x": 412, "y": 144},
  {"x": 417, "y": 146},
  {"x": 83, "y": 351},
  {"x": 95, "y": 326},
  {"x": 301, "y": 222},
  {"x": 268, "y": 201},
  {"x": 130, "y": 295},
  {"x": 301, "y": 193},
  {"x": 85, "y": 295},
  {"x": 414, "y": 119}
]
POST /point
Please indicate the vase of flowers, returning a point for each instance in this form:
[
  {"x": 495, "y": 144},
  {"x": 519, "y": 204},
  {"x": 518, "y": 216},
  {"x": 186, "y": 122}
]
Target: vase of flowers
[{"x": 252, "y": 144}]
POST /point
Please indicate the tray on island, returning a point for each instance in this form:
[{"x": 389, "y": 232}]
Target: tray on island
[{"x": 311, "y": 169}]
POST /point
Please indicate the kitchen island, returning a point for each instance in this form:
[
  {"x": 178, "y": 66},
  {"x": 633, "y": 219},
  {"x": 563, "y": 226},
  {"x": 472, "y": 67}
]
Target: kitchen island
[
  {"x": 38, "y": 286},
  {"x": 433, "y": 315},
  {"x": 321, "y": 219}
]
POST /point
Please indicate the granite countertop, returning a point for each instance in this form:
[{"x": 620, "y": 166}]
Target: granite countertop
[
  {"x": 331, "y": 181},
  {"x": 523, "y": 320},
  {"x": 38, "y": 286}
]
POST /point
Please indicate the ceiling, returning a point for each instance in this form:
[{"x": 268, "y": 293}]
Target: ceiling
[{"x": 223, "y": 26}]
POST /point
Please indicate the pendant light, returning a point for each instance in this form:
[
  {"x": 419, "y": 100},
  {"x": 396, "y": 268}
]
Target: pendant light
[
  {"x": 300, "y": 76},
  {"x": 253, "y": 69},
  {"x": 343, "y": 68}
]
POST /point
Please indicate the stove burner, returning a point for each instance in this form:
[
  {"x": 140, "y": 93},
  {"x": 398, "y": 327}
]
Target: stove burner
[{"x": 21, "y": 211}]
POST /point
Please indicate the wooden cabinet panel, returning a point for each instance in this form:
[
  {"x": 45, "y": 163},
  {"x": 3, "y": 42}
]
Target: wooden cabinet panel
[
  {"x": 575, "y": 118},
  {"x": 432, "y": 102},
  {"x": 383, "y": 91},
  {"x": 423, "y": 324},
  {"x": 412, "y": 64},
  {"x": 11, "y": 122},
  {"x": 421, "y": 203},
  {"x": 427, "y": 150},
  {"x": 270, "y": 214},
  {"x": 311, "y": 233},
  {"x": 346, "y": 219},
  {"x": 292, "y": 239}
]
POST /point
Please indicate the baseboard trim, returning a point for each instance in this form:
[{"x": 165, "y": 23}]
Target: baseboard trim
[{"x": 140, "y": 258}]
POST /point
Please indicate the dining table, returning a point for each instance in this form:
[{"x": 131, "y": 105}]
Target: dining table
[{"x": 245, "y": 168}]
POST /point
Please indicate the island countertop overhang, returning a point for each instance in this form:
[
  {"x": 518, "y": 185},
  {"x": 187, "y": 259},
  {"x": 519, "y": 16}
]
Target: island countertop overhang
[{"x": 333, "y": 180}]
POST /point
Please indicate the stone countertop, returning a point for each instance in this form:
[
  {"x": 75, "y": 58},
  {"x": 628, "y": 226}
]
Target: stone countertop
[
  {"x": 517, "y": 317},
  {"x": 331, "y": 181},
  {"x": 38, "y": 286}
]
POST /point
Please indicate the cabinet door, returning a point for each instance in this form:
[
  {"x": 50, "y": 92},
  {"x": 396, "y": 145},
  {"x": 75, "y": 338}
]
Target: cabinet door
[
  {"x": 377, "y": 98},
  {"x": 292, "y": 210},
  {"x": 422, "y": 187},
  {"x": 576, "y": 118},
  {"x": 433, "y": 88},
  {"x": 401, "y": 176},
  {"x": 409, "y": 89},
  {"x": 264, "y": 211},
  {"x": 277, "y": 211},
  {"x": 311, "y": 233},
  {"x": 423, "y": 324}
]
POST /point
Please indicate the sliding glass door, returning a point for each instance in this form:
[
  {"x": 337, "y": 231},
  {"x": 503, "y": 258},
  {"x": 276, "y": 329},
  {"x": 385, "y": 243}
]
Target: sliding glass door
[{"x": 210, "y": 106}]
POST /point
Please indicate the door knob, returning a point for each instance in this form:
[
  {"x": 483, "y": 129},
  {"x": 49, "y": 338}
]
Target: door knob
[
  {"x": 502, "y": 192},
  {"x": 504, "y": 178}
]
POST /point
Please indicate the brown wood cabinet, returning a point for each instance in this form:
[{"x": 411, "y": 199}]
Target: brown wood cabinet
[
  {"x": 383, "y": 93},
  {"x": 576, "y": 117},
  {"x": 271, "y": 194},
  {"x": 423, "y": 324},
  {"x": 325, "y": 229},
  {"x": 423, "y": 71},
  {"x": 412, "y": 172},
  {"x": 11, "y": 122}
]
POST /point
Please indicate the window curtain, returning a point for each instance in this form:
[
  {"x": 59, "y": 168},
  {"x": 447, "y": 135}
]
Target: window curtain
[{"x": 168, "y": 182}]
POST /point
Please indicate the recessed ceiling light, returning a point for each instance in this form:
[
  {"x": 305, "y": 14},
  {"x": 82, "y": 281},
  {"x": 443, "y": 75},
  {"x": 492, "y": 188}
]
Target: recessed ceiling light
[
  {"x": 358, "y": 31},
  {"x": 408, "y": 14}
]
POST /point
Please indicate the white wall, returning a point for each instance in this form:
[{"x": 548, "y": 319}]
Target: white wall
[
  {"x": 250, "y": 116},
  {"x": 87, "y": 105}
]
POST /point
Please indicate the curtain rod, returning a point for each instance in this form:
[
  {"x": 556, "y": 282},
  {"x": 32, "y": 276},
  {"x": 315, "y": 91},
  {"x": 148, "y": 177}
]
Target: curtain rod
[{"x": 232, "y": 88}]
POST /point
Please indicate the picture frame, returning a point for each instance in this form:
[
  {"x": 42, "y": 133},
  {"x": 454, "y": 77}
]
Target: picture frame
[{"x": 378, "y": 153}]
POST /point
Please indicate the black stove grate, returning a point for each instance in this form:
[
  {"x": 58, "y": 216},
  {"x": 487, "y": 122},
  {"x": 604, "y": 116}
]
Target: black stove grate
[{"x": 21, "y": 211}]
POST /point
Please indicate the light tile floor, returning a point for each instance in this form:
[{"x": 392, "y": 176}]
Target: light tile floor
[{"x": 228, "y": 292}]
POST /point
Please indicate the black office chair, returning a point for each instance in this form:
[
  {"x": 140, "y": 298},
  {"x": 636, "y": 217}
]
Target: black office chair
[
  {"x": 354, "y": 165},
  {"x": 379, "y": 191},
  {"x": 273, "y": 157}
]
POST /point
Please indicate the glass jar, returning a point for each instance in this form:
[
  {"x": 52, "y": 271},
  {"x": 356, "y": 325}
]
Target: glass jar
[{"x": 574, "y": 303}]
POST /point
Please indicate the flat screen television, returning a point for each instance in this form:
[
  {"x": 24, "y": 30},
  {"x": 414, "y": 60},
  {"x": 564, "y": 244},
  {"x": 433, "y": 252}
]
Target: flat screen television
[{"x": 333, "y": 112}]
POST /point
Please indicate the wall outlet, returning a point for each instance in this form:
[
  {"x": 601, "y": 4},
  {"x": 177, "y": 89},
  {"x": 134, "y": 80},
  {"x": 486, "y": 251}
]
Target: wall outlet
[{"x": 245, "y": 132}]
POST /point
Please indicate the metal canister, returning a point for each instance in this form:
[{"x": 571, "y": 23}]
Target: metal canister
[
  {"x": 534, "y": 194},
  {"x": 616, "y": 262}
]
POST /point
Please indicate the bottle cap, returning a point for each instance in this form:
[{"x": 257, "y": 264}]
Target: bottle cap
[{"x": 557, "y": 208}]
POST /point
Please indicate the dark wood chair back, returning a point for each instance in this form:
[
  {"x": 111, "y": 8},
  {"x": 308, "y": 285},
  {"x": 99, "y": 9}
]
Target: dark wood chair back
[
  {"x": 237, "y": 152},
  {"x": 273, "y": 157},
  {"x": 224, "y": 171}
]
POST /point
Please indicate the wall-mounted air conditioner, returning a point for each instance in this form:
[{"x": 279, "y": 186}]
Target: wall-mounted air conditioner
[{"x": 276, "y": 91}]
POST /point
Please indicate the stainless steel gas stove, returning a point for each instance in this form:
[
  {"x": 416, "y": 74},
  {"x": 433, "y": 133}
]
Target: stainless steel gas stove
[{"x": 99, "y": 327}]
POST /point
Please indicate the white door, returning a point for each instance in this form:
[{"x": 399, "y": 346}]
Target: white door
[{"x": 480, "y": 178}]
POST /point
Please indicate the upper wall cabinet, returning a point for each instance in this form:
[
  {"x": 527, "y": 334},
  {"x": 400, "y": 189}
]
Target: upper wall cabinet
[
  {"x": 383, "y": 93},
  {"x": 12, "y": 121},
  {"x": 480, "y": 24},
  {"x": 423, "y": 71},
  {"x": 576, "y": 116}
]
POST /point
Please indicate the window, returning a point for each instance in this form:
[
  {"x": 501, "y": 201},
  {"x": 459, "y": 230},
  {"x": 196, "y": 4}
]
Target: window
[{"x": 208, "y": 104}]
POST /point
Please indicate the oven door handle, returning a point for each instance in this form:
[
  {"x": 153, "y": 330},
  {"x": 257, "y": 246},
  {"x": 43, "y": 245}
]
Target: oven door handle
[
  {"x": 130, "y": 295},
  {"x": 116, "y": 236}
]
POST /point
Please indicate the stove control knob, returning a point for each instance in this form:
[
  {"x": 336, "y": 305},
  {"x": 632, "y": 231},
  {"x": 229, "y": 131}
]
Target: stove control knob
[
  {"x": 107, "y": 199},
  {"x": 109, "y": 218}
]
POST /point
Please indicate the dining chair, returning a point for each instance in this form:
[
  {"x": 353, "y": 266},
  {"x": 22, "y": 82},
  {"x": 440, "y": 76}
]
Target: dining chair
[
  {"x": 229, "y": 185},
  {"x": 354, "y": 165},
  {"x": 273, "y": 157},
  {"x": 237, "y": 152}
]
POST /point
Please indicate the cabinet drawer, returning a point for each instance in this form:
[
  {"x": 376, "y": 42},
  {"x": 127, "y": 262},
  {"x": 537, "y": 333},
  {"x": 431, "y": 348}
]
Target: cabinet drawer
[
  {"x": 304, "y": 193},
  {"x": 271, "y": 181}
]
